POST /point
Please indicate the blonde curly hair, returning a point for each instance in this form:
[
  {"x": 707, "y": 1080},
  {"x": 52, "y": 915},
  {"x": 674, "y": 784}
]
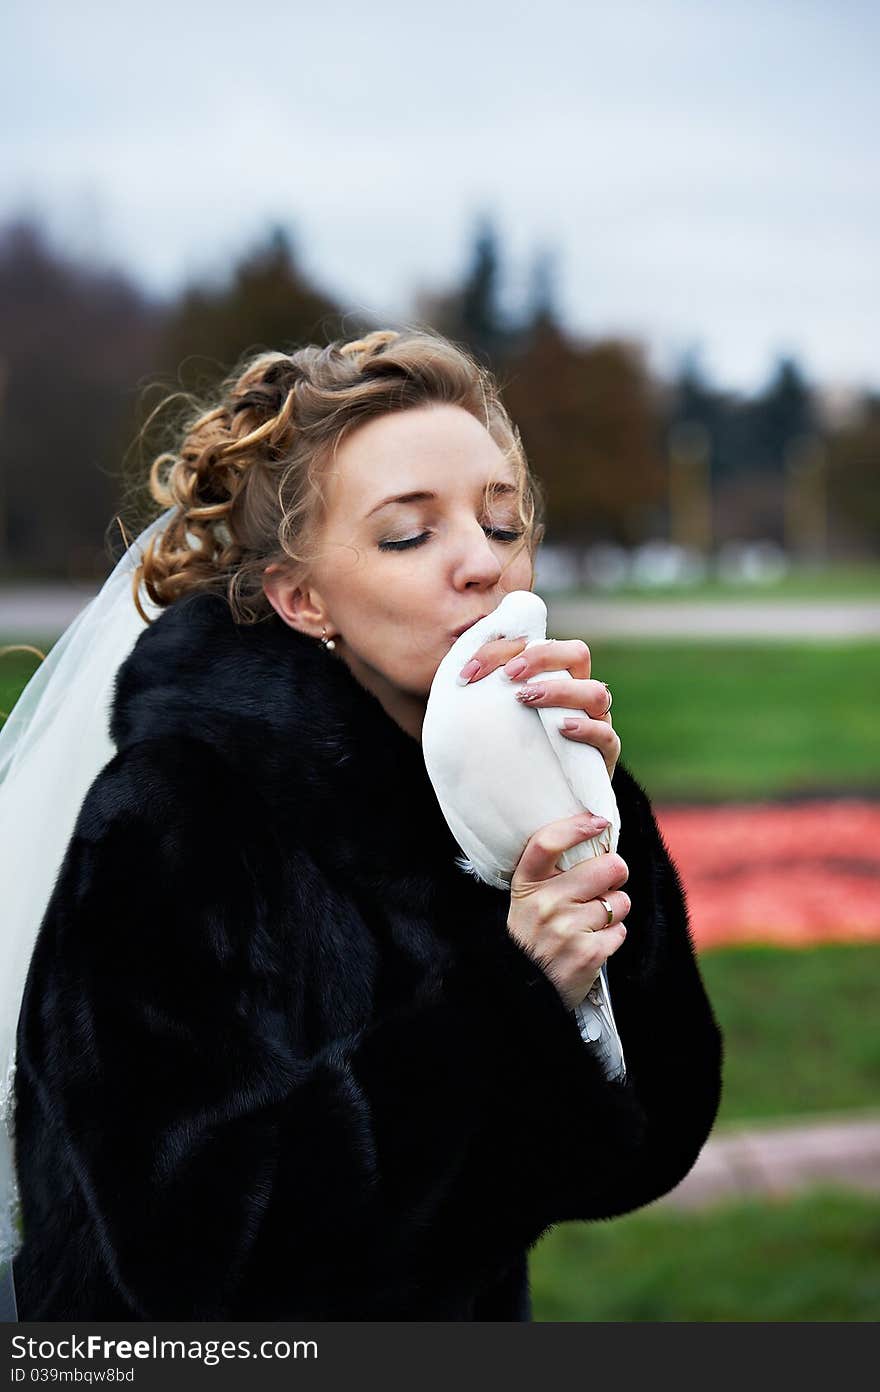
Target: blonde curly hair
[{"x": 245, "y": 478}]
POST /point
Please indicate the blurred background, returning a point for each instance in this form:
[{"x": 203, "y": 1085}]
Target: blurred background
[{"x": 657, "y": 223}]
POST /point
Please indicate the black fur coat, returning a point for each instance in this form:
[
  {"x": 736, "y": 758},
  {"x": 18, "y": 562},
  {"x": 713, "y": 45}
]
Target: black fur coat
[{"x": 280, "y": 1058}]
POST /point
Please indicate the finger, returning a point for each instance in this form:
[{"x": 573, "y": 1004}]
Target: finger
[
  {"x": 584, "y": 882},
  {"x": 599, "y": 733},
  {"x": 489, "y": 656},
  {"x": 608, "y": 940},
  {"x": 595, "y": 916},
  {"x": 544, "y": 847},
  {"x": 587, "y": 696},
  {"x": 592, "y": 954},
  {"x": 556, "y": 654}
]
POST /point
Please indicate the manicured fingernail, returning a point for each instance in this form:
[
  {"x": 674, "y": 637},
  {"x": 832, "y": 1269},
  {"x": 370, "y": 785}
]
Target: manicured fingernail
[
  {"x": 515, "y": 666},
  {"x": 470, "y": 669},
  {"x": 530, "y": 693},
  {"x": 571, "y": 725}
]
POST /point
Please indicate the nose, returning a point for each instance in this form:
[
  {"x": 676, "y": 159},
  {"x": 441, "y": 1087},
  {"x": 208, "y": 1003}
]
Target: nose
[{"x": 480, "y": 564}]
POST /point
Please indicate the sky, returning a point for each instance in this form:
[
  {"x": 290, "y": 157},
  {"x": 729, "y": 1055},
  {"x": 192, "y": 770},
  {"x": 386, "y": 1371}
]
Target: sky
[{"x": 706, "y": 175}]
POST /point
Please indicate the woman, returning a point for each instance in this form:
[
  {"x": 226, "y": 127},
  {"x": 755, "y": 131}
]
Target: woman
[{"x": 278, "y": 1057}]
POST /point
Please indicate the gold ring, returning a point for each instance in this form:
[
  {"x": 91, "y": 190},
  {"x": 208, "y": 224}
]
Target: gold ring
[{"x": 608, "y": 909}]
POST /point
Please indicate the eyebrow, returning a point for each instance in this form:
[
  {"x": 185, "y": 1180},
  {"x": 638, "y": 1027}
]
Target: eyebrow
[{"x": 500, "y": 488}]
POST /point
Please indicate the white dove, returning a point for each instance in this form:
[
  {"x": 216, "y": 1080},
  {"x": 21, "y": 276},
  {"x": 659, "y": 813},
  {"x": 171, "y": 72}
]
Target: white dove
[{"x": 501, "y": 769}]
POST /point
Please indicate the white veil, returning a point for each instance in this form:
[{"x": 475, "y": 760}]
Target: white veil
[{"x": 54, "y": 743}]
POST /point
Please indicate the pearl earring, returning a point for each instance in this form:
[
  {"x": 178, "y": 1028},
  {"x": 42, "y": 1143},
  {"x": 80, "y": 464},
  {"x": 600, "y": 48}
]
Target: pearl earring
[{"x": 328, "y": 643}]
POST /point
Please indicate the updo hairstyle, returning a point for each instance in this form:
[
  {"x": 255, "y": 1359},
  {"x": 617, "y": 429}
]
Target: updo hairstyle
[{"x": 246, "y": 476}]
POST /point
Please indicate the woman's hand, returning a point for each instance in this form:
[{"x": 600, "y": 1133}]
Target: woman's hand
[
  {"x": 589, "y": 700},
  {"x": 556, "y": 914}
]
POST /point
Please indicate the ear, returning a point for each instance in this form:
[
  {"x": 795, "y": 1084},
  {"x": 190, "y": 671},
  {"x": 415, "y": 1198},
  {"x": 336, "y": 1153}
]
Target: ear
[{"x": 299, "y": 606}]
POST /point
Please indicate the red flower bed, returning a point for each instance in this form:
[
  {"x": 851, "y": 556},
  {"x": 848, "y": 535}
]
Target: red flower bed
[{"x": 786, "y": 873}]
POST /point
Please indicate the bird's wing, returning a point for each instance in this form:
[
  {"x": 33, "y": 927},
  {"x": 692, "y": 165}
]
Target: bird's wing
[
  {"x": 586, "y": 774},
  {"x": 582, "y": 766}
]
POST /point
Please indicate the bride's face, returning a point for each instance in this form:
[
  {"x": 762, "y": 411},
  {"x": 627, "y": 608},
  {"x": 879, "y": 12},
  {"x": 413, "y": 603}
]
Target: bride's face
[{"x": 396, "y": 578}]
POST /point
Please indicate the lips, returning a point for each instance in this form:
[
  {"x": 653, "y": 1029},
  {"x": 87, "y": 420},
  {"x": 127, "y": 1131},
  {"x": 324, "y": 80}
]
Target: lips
[{"x": 457, "y": 632}]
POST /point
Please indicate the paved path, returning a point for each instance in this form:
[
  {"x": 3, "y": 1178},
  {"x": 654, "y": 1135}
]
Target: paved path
[
  {"x": 29, "y": 611},
  {"x": 776, "y": 1160},
  {"x": 721, "y": 619}
]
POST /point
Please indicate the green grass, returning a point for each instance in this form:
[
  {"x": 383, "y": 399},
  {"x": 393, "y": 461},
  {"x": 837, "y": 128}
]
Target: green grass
[
  {"x": 799, "y": 1028},
  {"x": 745, "y": 720},
  {"x": 812, "y": 1257},
  {"x": 16, "y": 669}
]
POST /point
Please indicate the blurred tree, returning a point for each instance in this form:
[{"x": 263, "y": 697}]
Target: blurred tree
[
  {"x": 767, "y": 428},
  {"x": 783, "y": 412},
  {"x": 267, "y": 302},
  {"x": 750, "y": 440},
  {"x": 541, "y": 310},
  {"x": 74, "y": 339},
  {"x": 77, "y": 341},
  {"x": 693, "y": 400},
  {"x": 854, "y": 481},
  {"x": 470, "y": 313},
  {"x": 588, "y": 415},
  {"x": 482, "y": 326}
]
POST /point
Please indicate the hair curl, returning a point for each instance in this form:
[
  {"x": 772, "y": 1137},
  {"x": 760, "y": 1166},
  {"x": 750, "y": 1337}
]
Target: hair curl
[{"x": 245, "y": 479}]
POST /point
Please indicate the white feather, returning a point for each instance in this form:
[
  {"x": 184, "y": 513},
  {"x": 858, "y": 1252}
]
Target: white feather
[{"x": 501, "y": 770}]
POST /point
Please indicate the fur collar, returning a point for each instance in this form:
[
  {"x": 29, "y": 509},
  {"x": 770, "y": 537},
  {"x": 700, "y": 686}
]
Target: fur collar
[{"x": 315, "y": 746}]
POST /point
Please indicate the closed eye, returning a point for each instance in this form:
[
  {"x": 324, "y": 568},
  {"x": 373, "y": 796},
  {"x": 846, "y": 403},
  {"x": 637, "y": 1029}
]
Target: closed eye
[{"x": 419, "y": 540}]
